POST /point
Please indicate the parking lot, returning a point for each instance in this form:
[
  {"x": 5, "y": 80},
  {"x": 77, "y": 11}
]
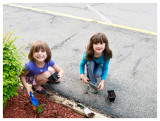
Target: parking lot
[{"x": 132, "y": 70}]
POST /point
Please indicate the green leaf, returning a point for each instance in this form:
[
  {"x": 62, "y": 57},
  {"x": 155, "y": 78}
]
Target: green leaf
[{"x": 12, "y": 66}]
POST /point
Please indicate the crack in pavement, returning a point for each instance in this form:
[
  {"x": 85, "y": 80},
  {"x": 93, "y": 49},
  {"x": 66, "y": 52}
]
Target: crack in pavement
[
  {"x": 137, "y": 64},
  {"x": 60, "y": 44},
  {"x": 52, "y": 19}
]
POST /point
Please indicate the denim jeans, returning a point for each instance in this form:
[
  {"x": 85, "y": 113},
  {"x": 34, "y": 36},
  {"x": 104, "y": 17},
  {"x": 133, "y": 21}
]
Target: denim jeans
[{"x": 94, "y": 71}]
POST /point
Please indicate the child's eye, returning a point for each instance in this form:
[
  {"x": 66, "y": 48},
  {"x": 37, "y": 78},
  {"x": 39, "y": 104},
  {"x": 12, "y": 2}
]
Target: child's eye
[
  {"x": 42, "y": 50},
  {"x": 99, "y": 43}
]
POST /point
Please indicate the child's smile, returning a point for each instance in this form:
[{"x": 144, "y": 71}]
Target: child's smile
[
  {"x": 40, "y": 55},
  {"x": 98, "y": 48}
]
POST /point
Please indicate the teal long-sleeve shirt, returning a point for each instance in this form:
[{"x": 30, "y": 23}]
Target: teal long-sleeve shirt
[{"x": 100, "y": 60}]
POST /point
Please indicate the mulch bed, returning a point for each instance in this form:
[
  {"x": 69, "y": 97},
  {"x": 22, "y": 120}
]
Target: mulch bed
[{"x": 21, "y": 107}]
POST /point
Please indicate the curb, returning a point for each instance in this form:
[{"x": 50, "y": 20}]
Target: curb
[
  {"x": 73, "y": 105},
  {"x": 69, "y": 103}
]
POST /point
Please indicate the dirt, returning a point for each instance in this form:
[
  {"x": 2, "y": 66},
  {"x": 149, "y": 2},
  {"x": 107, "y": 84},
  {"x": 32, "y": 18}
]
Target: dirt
[
  {"x": 112, "y": 94},
  {"x": 21, "y": 107},
  {"x": 90, "y": 115}
]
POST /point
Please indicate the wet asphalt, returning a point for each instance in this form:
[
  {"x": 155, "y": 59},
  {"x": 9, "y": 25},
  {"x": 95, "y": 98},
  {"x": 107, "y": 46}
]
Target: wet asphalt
[{"x": 132, "y": 70}]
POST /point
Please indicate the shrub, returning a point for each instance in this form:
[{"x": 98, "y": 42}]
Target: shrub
[{"x": 12, "y": 66}]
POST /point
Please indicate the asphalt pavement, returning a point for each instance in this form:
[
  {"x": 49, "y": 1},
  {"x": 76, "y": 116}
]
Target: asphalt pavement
[{"x": 132, "y": 70}]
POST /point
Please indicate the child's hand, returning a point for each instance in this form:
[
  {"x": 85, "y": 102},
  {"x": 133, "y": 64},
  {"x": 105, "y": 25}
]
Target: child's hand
[
  {"x": 29, "y": 90},
  {"x": 85, "y": 80},
  {"x": 59, "y": 71},
  {"x": 59, "y": 77},
  {"x": 101, "y": 85}
]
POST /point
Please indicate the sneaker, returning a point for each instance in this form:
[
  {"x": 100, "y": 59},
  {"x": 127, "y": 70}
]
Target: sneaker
[
  {"x": 39, "y": 90},
  {"x": 92, "y": 88}
]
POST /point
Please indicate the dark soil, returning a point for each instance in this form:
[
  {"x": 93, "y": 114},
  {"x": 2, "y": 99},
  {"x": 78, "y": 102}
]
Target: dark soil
[{"x": 21, "y": 107}]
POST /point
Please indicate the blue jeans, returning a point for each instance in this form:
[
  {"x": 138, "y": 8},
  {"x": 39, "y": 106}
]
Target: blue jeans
[{"x": 94, "y": 71}]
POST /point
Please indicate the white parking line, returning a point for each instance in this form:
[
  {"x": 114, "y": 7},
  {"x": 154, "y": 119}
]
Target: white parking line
[{"x": 99, "y": 14}]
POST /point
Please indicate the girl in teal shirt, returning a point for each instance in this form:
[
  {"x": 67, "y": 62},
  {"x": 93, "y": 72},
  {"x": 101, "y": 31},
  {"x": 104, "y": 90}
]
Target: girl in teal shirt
[{"x": 96, "y": 59}]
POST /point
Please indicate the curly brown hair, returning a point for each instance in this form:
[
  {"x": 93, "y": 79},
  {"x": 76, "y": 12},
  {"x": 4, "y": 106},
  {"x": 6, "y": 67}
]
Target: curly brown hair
[
  {"x": 36, "y": 46},
  {"x": 98, "y": 38}
]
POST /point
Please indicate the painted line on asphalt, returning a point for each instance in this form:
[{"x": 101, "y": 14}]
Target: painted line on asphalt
[
  {"x": 99, "y": 14},
  {"x": 81, "y": 18}
]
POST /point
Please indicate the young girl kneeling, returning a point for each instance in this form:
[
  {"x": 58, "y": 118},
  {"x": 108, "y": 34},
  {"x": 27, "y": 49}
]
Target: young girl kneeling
[
  {"x": 97, "y": 59},
  {"x": 36, "y": 69}
]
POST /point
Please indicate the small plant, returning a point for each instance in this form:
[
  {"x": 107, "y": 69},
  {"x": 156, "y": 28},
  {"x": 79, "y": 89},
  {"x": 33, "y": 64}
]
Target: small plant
[
  {"x": 12, "y": 66},
  {"x": 39, "y": 109}
]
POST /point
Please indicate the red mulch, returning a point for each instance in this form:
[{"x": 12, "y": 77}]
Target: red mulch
[{"x": 21, "y": 107}]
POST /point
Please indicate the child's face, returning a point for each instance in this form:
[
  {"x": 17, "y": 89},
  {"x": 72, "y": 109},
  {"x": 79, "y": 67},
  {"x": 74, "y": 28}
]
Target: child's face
[
  {"x": 98, "y": 48},
  {"x": 40, "y": 56}
]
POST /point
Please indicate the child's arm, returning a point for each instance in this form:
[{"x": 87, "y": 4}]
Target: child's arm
[
  {"x": 58, "y": 70},
  {"x": 105, "y": 69},
  {"x": 82, "y": 64},
  {"x": 85, "y": 79},
  {"x": 23, "y": 78},
  {"x": 101, "y": 85}
]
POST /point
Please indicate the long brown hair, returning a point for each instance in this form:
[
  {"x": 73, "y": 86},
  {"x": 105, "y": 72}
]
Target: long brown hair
[
  {"x": 98, "y": 38},
  {"x": 36, "y": 46}
]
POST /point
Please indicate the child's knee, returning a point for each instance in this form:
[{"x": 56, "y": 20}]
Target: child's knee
[
  {"x": 51, "y": 71},
  {"x": 97, "y": 75},
  {"x": 46, "y": 75},
  {"x": 90, "y": 63}
]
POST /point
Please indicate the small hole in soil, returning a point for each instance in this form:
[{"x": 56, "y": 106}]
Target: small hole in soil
[{"x": 90, "y": 115}]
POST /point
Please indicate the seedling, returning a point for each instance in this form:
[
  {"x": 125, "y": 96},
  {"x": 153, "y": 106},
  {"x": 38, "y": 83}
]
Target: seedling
[{"x": 39, "y": 109}]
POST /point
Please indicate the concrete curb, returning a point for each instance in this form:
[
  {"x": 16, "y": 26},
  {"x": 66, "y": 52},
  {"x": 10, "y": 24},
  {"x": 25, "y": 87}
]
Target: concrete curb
[{"x": 70, "y": 103}]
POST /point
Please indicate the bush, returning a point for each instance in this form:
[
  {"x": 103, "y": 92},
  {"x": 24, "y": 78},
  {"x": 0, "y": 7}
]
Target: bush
[{"x": 12, "y": 66}]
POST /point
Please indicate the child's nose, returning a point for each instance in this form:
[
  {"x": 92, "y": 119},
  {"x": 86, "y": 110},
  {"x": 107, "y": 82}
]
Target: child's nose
[
  {"x": 40, "y": 52},
  {"x": 98, "y": 44}
]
